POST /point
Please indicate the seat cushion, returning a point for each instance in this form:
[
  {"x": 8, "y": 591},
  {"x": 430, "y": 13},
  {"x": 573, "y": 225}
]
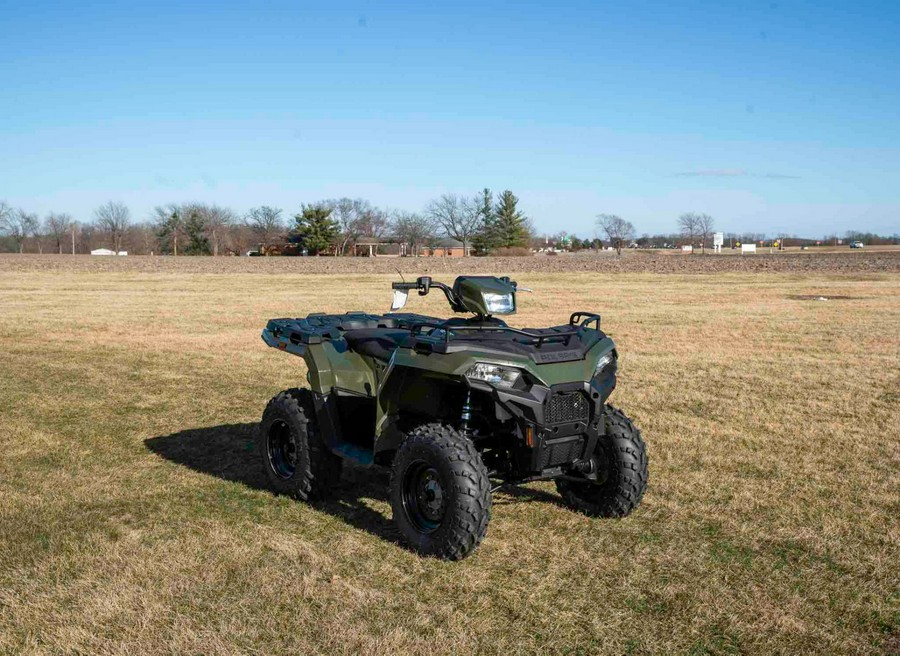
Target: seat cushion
[{"x": 378, "y": 343}]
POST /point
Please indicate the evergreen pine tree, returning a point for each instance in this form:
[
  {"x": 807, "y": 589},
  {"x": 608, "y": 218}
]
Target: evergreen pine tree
[
  {"x": 194, "y": 228},
  {"x": 510, "y": 226},
  {"x": 170, "y": 229},
  {"x": 485, "y": 240},
  {"x": 315, "y": 228}
]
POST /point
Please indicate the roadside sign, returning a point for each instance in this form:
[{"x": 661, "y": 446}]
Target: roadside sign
[{"x": 718, "y": 239}]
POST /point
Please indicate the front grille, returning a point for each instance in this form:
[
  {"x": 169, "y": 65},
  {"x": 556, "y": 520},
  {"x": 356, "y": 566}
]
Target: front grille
[{"x": 564, "y": 408}]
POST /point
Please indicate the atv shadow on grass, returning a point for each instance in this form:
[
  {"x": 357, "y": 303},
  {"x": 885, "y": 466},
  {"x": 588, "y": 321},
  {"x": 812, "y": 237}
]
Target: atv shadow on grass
[{"x": 228, "y": 452}]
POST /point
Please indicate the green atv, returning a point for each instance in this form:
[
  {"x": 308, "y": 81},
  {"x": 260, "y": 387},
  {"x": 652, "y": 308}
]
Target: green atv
[{"x": 451, "y": 406}]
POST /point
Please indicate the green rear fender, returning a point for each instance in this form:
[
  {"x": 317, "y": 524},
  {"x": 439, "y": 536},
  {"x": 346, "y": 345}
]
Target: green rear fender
[{"x": 330, "y": 364}]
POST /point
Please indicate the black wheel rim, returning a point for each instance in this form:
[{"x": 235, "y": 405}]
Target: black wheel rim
[
  {"x": 282, "y": 449},
  {"x": 424, "y": 497}
]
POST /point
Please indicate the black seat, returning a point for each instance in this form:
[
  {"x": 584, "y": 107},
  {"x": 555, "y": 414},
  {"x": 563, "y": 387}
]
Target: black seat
[{"x": 378, "y": 343}]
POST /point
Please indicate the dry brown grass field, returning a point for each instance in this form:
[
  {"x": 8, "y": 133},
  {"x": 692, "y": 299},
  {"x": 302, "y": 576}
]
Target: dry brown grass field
[{"x": 134, "y": 516}]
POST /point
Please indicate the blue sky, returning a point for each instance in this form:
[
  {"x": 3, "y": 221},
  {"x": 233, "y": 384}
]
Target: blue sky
[{"x": 771, "y": 116}]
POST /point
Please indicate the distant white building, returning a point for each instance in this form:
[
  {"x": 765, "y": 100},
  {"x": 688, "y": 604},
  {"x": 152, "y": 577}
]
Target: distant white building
[{"x": 106, "y": 251}]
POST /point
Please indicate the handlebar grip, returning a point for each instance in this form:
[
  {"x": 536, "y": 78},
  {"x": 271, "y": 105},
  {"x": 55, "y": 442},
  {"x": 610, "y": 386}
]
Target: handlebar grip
[{"x": 404, "y": 285}]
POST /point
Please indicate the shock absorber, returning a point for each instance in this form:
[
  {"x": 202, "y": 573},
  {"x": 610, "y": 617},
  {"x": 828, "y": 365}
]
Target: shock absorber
[{"x": 466, "y": 415}]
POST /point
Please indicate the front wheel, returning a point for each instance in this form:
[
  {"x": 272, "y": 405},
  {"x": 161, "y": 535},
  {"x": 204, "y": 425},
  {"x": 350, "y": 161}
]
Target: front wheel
[
  {"x": 620, "y": 463},
  {"x": 440, "y": 492}
]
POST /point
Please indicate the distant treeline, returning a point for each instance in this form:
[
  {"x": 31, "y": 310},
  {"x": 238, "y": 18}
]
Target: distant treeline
[{"x": 476, "y": 224}]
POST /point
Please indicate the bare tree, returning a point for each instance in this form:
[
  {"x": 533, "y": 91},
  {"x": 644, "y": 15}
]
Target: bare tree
[
  {"x": 144, "y": 237},
  {"x": 617, "y": 229},
  {"x": 32, "y": 225},
  {"x": 705, "y": 226},
  {"x": 218, "y": 222},
  {"x": 351, "y": 215},
  {"x": 375, "y": 224},
  {"x": 89, "y": 237},
  {"x": 688, "y": 224},
  {"x": 114, "y": 219},
  {"x": 458, "y": 217},
  {"x": 356, "y": 217},
  {"x": 22, "y": 225},
  {"x": 56, "y": 226},
  {"x": 240, "y": 238},
  {"x": 413, "y": 230},
  {"x": 266, "y": 223},
  {"x": 12, "y": 225}
]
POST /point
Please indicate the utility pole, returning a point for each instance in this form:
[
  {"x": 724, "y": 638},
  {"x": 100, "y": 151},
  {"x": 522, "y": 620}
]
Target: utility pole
[{"x": 73, "y": 238}]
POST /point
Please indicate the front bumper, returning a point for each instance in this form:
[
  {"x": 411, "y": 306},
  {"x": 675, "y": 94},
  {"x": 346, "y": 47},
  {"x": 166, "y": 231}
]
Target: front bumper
[{"x": 554, "y": 426}]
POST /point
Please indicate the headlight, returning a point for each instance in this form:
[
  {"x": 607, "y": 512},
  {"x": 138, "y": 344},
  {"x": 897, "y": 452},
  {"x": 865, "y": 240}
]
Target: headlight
[
  {"x": 499, "y": 303},
  {"x": 603, "y": 363},
  {"x": 493, "y": 374}
]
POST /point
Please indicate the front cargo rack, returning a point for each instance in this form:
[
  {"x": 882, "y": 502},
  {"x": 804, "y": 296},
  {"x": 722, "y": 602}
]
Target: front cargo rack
[{"x": 578, "y": 322}]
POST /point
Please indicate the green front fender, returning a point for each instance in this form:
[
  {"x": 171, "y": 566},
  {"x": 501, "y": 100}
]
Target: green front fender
[{"x": 455, "y": 366}]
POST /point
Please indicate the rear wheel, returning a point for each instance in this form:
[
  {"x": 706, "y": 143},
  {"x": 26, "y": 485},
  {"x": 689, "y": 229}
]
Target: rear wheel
[
  {"x": 620, "y": 462},
  {"x": 440, "y": 492},
  {"x": 296, "y": 460}
]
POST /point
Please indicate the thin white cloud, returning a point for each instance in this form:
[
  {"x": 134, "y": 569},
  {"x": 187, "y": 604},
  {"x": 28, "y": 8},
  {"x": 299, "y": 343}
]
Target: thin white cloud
[
  {"x": 734, "y": 173},
  {"x": 713, "y": 173}
]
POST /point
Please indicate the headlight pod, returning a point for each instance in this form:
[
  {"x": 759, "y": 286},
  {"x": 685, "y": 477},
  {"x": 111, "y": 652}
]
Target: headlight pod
[
  {"x": 494, "y": 374},
  {"x": 499, "y": 303},
  {"x": 605, "y": 360}
]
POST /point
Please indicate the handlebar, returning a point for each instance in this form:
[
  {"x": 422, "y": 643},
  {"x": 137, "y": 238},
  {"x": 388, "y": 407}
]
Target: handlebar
[{"x": 423, "y": 285}]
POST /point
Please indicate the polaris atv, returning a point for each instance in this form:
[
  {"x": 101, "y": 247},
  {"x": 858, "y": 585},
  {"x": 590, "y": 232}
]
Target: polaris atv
[{"x": 452, "y": 406}]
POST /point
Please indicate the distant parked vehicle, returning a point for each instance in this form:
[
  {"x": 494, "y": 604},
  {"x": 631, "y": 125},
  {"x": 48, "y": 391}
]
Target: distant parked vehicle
[{"x": 856, "y": 244}]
